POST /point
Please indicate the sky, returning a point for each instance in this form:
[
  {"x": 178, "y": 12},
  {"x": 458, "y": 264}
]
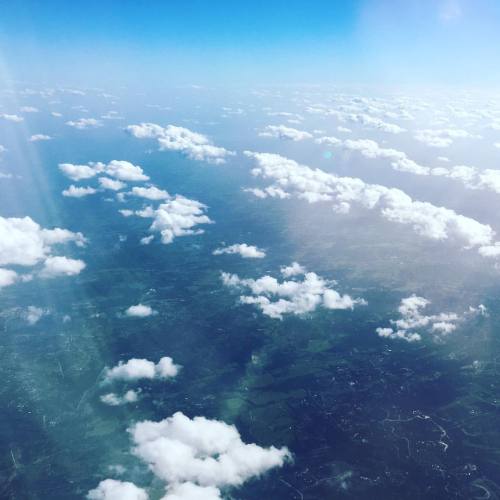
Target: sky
[
  {"x": 160, "y": 43},
  {"x": 229, "y": 242}
]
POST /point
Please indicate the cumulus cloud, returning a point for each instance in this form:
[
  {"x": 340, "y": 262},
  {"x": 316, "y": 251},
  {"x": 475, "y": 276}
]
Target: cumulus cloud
[
  {"x": 7, "y": 277},
  {"x": 150, "y": 193},
  {"x": 61, "y": 266},
  {"x": 140, "y": 311},
  {"x": 194, "y": 145},
  {"x": 29, "y": 109},
  {"x": 78, "y": 192},
  {"x": 77, "y": 172},
  {"x": 177, "y": 217},
  {"x": 413, "y": 322},
  {"x": 442, "y": 138},
  {"x": 112, "y": 489},
  {"x": 194, "y": 457},
  {"x": 246, "y": 251},
  {"x": 315, "y": 185},
  {"x": 11, "y": 118},
  {"x": 119, "y": 169},
  {"x": 192, "y": 491},
  {"x": 113, "y": 399},
  {"x": 136, "y": 369},
  {"x": 275, "y": 299},
  {"x": 470, "y": 177},
  {"x": 24, "y": 243},
  {"x": 283, "y": 132},
  {"x": 84, "y": 123},
  {"x": 40, "y": 137},
  {"x": 112, "y": 184},
  {"x": 209, "y": 453},
  {"x": 34, "y": 314},
  {"x": 125, "y": 171}
]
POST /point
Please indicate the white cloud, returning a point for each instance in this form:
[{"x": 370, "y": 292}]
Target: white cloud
[
  {"x": 206, "y": 452},
  {"x": 246, "y": 251},
  {"x": 376, "y": 123},
  {"x": 442, "y": 138},
  {"x": 7, "y": 277},
  {"x": 140, "y": 311},
  {"x": 29, "y": 109},
  {"x": 84, "y": 123},
  {"x": 39, "y": 137},
  {"x": 112, "y": 184},
  {"x": 275, "y": 299},
  {"x": 283, "y": 132},
  {"x": 150, "y": 193},
  {"x": 113, "y": 399},
  {"x": 413, "y": 322},
  {"x": 24, "y": 243},
  {"x": 177, "y": 217},
  {"x": 61, "y": 266},
  {"x": 192, "y": 491},
  {"x": 147, "y": 240},
  {"x": 119, "y": 169},
  {"x": 78, "y": 192},
  {"x": 111, "y": 489},
  {"x": 195, "y": 146},
  {"x": 11, "y": 118},
  {"x": 34, "y": 314},
  {"x": 293, "y": 270},
  {"x": 136, "y": 369},
  {"x": 125, "y": 171},
  {"x": 315, "y": 185},
  {"x": 56, "y": 114},
  {"x": 77, "y": 172}
]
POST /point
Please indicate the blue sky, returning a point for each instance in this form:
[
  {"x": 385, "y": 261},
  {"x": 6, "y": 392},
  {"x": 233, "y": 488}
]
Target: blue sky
[{"x": 360, "y": 41}]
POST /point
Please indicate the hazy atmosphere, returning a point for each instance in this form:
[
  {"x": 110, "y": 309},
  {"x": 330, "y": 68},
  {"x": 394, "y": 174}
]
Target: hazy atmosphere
[{"x": 249, "y": 250}]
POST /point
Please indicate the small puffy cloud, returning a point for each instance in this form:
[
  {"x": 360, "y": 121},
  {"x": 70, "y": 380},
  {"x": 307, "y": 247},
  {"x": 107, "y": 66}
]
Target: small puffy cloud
[
  {"x": 112, "y": 184},
  {"x": 136, "y": 369},
  {"x": 275, "y": 299},
  {"x": 179, "y": 216},
  {"x": 140, "y": 311},
  {"x": 11, "y": 118},
  {"x": 77, "y": 172},
  {"x": 150, "y": 193},
  {"x": 344, "y": 130},
  {"x": 192, "y": 491},
  {"x": 78, "y": 192},
  {"x": 24, "y": 243},
  {"x": 246, "y": 251},
  {"x": 413, "y": 321},
  {"x": 34, "y": 314},
  {"x": 84, "y": 123},
  {"x": 61, "y": 266},
  {"x": 283, "y": 132},
  {"x": 113, "y": 399},
  {"x": 112, "y": 489},
  {"x": 125, "y": 171},
  {"x": 194, "y": 145},
  {"x": 39, "y": 137},
  {"x": 205, "y": 452},
  {"x": 119, "y": 169},
  {"x": 442, "y": 138},
  {"x": 7, "y": 277},
  {"x": 56, "y": 114},
  {"x": 147, "y": 240},
  {"x": 293, "y": 270},
  {"x": 29, "y": 109}
]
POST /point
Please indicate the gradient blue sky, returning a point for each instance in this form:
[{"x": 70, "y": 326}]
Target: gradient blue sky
[{"x": 156, "y": 42}]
